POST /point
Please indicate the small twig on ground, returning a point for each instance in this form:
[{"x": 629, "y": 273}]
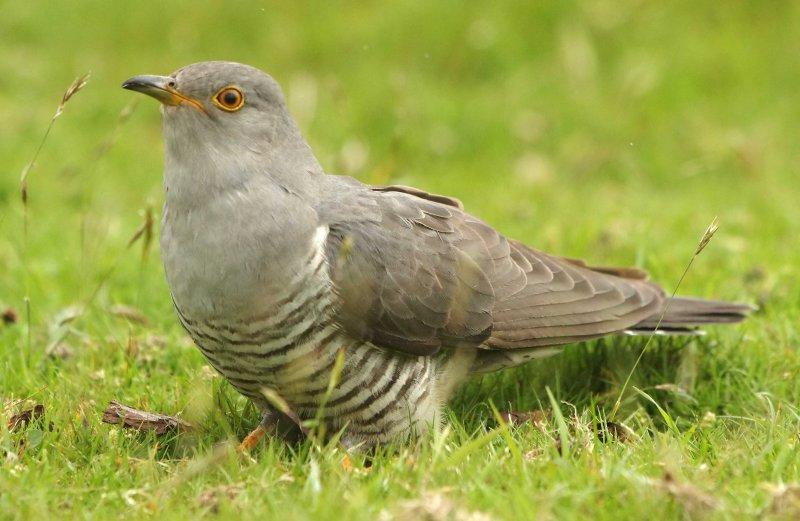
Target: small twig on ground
[{"x": 118, "y": 414}]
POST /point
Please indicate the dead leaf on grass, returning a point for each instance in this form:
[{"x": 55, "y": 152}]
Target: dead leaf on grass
[
  {"x": 128, "y": 417},
  {"x": 23, "y": 418}
]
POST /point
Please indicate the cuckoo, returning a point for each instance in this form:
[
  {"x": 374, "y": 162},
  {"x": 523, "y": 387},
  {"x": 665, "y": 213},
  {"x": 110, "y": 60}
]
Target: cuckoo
[{"x": 278, "y": 269}]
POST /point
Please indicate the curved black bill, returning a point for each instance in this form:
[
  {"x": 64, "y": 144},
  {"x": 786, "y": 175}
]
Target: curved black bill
[{"x": 161, "y": 88}]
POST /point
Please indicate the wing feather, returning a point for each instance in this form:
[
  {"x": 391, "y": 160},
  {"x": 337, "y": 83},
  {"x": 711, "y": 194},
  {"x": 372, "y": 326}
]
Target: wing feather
[{"x": 415, "y": 273}]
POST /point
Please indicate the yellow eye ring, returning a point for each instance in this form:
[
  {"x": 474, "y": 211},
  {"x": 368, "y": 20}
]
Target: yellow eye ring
[{"x": 229, "y": 99}]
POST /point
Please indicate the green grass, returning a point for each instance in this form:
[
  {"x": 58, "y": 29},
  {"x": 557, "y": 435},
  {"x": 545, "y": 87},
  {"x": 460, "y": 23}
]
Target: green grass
[{"x": 613, "y": 131}]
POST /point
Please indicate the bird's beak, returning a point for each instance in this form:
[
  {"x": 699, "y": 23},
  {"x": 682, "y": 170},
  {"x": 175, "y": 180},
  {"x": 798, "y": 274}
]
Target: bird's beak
[{"x": 161, "y": 88}]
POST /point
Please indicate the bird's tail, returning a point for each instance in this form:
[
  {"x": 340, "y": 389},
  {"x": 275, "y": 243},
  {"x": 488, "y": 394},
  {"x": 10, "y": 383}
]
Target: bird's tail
[{"x": 684, "y": 315}]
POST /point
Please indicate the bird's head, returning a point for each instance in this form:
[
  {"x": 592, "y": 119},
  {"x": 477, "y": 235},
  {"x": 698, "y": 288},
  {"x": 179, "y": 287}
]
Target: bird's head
[
  {"x": 229, "y": 116},
  {"x": 218, "y": 102}
]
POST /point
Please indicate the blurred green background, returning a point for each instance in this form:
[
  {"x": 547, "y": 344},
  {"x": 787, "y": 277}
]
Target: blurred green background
[
  {"x": 608, "y": 130},
  {"x": 611, "y": 130}
]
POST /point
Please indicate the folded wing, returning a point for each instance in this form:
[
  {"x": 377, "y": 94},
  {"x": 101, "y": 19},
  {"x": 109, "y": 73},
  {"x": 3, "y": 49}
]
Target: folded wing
[{"x": 416, "y": 273}]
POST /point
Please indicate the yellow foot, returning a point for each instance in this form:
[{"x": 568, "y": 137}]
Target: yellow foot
[
  {"x": 252, "y": 440},
  {"x": 347, "y": 465}
]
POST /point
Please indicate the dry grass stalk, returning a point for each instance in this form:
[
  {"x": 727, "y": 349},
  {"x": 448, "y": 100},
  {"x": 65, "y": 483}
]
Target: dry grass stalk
[
  {"x": 707, "y": 235},
  {"x": 144, "y": 232},
  {"x": 704, "y": 240},
  {"x": 77, "y": 84},
  {"x": 129, "y": 313},
  {"x": 74, "y": 88}
]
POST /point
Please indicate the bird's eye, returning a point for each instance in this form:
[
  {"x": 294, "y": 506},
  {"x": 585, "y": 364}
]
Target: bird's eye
[{"x": 229, "y": 98}]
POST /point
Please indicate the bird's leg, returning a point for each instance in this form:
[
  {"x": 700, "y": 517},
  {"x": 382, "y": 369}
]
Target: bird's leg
[
  {"x": 286, "y": 425},
  {"x": 268, "y": 425},
  {"x": 252, "y": 440}
]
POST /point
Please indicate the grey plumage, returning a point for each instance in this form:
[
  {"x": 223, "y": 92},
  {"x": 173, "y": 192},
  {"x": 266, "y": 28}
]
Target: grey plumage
[{"x": 274, "y": 266}]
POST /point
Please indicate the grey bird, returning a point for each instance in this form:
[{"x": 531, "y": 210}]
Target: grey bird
[{"x": 275, "y": 266}]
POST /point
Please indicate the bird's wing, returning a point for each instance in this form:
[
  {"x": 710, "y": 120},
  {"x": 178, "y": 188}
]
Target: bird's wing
[
  {"x": 416, "y": 273},
  {"x": 443, "y": 199}
]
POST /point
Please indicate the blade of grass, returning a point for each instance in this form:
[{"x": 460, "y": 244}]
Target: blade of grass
[
  {"x": 561, "y": 423},
  {"x": 664, "y": 414},
  {"x": 333, "y": 381},
  {"x": 505, "y": 430},
  {"x": 465, "y": 450}
]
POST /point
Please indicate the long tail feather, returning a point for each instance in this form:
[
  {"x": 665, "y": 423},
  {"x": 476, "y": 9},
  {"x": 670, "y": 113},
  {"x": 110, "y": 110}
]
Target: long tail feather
[{"x": 684, "y": 314}]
